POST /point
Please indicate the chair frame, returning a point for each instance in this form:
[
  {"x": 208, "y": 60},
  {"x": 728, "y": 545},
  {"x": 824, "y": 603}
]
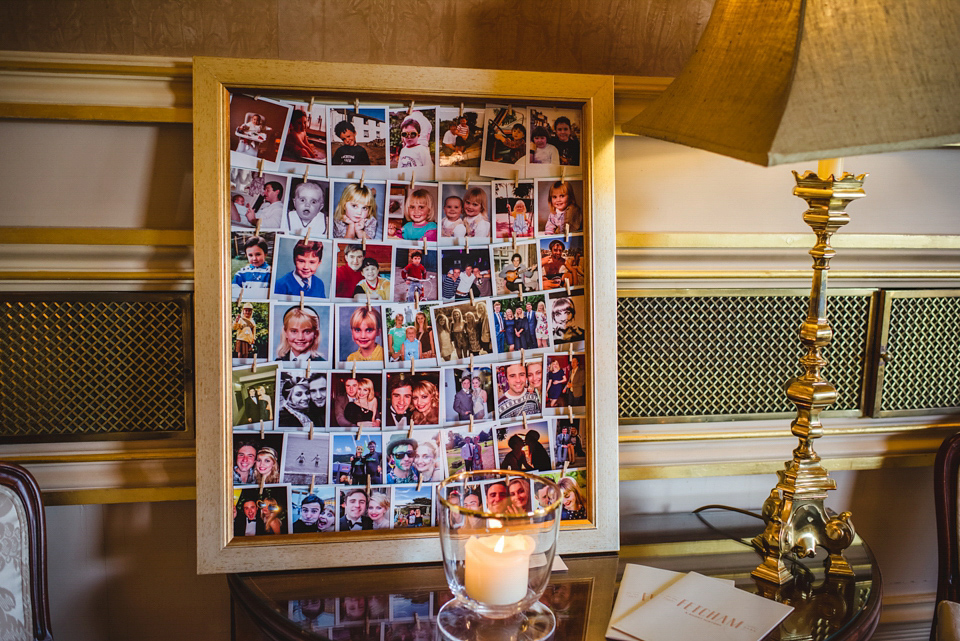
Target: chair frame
[
  {"x": 946, "y": 478},
  {"x": 25, "y": 486}
]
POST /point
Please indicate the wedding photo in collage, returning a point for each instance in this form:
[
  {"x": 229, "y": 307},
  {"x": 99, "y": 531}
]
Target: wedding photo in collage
[{"x": 408, "y": 301}]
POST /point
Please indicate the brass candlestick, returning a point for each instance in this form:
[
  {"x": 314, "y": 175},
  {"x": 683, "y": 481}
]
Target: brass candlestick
[{"x": 796, "y": 520}]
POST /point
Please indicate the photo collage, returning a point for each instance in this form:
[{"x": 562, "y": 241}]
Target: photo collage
[{"x": 390, "y": 330}]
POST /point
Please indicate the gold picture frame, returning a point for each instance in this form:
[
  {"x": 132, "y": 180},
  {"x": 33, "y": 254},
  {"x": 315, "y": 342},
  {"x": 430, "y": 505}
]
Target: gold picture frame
[{"x": 214, "y": 78}]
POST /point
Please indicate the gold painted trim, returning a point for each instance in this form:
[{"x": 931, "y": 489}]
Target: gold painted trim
[
  {"x": 627, "y": 241},
  {"x": 633, "y": 438},
  {"x": 102, "y": 457},
  {"x": 781, "y": 274},
  {"x": 753, "y": 468},
  {"x": 96, "y": 276},
  {"x": 97, "y": 236},
  {"x": 682, "y": 548},
  {"x": 109, "y": 495},
  {"x": 106, "y": 113}
]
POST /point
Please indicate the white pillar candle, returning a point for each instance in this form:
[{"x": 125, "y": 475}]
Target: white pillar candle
[
  {"x": 830, "y": 166},
  {"x": 497, "y": 568}
]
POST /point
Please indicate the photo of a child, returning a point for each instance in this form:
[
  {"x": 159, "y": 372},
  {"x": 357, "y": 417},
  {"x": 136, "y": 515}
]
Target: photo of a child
[
  {"x": 412, "y": 142},
  {"x": 360, "y": 334},
  {"x": 306, "y": 141},
  {"x": 465, "y": 213},
  {"x": 513, "y": 203},
  {"x": 250, "y": 322},
  {"x": 461, "y": 137},
  {"x": 359, "y": 210},
  {"x": 421, "y": 214},
  {"x": 301, "y": 334},
  {"x": 307, "y": 211},
  {"x": 258, "y": 128},
  {"x": 303, "y": 267},
  {"x": 249, "y": 264},
  {"x": 505, "y": 135},
  {"x": 417, "y": 275},
  {"x": 558, "y": 209},
  {"x": 359, "y": 137}
]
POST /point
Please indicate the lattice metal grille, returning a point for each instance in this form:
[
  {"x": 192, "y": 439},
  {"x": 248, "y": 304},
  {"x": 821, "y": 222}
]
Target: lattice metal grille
[
  {"x": 95, "y": 365},
  {"x": 729, "y": 355},
  {"x": 923, "y": 343}
]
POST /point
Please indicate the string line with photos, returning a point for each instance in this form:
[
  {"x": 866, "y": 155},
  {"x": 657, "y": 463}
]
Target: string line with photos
[{"x": 392, "y": 327}]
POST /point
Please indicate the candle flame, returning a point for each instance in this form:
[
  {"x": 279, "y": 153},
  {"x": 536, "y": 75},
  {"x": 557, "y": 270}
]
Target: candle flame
[{"x": 498, "y": 548}]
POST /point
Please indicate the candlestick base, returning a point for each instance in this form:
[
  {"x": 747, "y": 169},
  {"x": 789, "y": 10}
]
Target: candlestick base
[{"x": 460, "y": 623}]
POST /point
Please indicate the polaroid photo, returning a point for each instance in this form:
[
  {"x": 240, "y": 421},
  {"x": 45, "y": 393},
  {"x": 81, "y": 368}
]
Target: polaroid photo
[
  {"x": 307, "y": 460},
  {"x": 516, "y": 268},
  {"x": 250, "y": 258},
  {"x": 575, "y": 491},
  {"x": 396, "y": 209},
  {"x": 301, "y": 335},
  {"x": 567, "y": 317},
  {"x": 570, "y": 444},
  {"x": 249, "y": 465},
  {"x": 354, "y": 460},
  {"x": 302, "y": 399},
  {"x": 495, "y": 496},
  {"x": 521, "y": 494},
  {"x": 249, "y": 338},
  {"x": 349, "y": 260},
  {"x": 258, "y": 200},
  {"x": 360, "y": 336},
  {"x": 376, "y": 282},
  {"x": 301, "y": 267},
  {"x": 410, "y": 335},
  {"x": 562, "y": 262},
  {"x": 357, "y": 399},
  {"x": 423, "y": 407},
  {"x": 361, "y": 610},
  {"x": 413, "y": 143},
  {"x": 420, "y": 629},
  {"x": 504, "y": 142},
  {"x": 253, "y": 394},
  {"x": 460, "y": 135},
  {"x": 463, "y": 331},
  {"x": 308, "y": 211},
  {"x": 358, "y": 212},
  {"x": 412, "y": 508},
  {"x": 305, "y": 147},
  {"x": 415, "y": 275},
  {"x": 514, "y": 206},
  {"x": 564, "y": 383},
  {"x": 379, "y": 507},
  {"x": 353, "y": 509},
  {"x": 465, "y": 213},
  {"x": 258, "y": 513},
  {"x": 314, "y": 511},
  {"x": 525, "y": 447},
  {"x": 561, "y": 129},
  {"x": 404, "y": 607},
  {"x": 359, "y": 138},
  {"x": 518, "y": 392},
  {"x": 400, "y": 453},
  {"x": 315, "y": 615},
  {"x": 258, "y": 128},
  {"x": 558, "y": 207},
  {"x": 524, "y": 321},
  {"x": 466, "y": 451},
  {"x": 420, "y": 214},
  {"x": 468, "y": 393},
  {"x": 465, "y": 273}
]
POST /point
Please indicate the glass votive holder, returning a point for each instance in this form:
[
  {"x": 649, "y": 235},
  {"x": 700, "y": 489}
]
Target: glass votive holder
[{"x": 498, "y": 533}]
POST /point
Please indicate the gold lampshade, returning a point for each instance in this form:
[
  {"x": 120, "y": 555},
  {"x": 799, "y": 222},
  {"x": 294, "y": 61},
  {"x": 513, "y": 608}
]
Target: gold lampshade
[{"x": 781, "y": 81}]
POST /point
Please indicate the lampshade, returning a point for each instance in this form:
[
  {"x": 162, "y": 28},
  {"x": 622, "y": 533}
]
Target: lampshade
[{"x": 781, "y": 81}]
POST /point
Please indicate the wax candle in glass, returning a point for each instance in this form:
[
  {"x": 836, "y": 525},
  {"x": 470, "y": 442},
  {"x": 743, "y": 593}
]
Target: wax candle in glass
[{"x": 498, "y": 532}]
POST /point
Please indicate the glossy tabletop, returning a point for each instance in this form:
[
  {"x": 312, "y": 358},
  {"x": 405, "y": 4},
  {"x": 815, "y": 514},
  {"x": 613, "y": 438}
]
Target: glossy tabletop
[{"x": 401, "y": 602}]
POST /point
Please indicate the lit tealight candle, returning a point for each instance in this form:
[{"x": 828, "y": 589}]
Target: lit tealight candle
[{"x": 497, "y": 568}]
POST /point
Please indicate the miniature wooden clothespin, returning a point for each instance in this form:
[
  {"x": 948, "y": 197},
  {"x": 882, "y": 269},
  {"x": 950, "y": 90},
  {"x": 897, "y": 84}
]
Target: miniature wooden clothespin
[
  {"x": 523, "y": 415},
  {"x": 566, "y": 232},
  {"x": 570, "y": 412},
  {"x": 310, "y": 436},
  {"x": 471, "y": 364},
  {"x": 461, "y": 110},
  {"x": 471, "y": 422},
  {"x": 306, "y": 233},
  {"x": 313, "y": 480},
  {"x": 511, "y": 110},
  {"x": 566, "y": 284},
  {"x": 262, "y": 479},
  {"x": 413, "y": 177},
  {"x": 520, "y": 290},
  {"x": 368, "y": 299},
  {"x": 363, "y": 174},
  {"x": 466, "y": 180},
  {"x": 301, "y": 300},
  {"x": 563, "y": 174},
  {"x": 253, "y": 366},
  {"x": 312, "y": 100},
  {"x": 260, "y": 167},
  {"x": 523, "y": 357},
  {"x": 416, "y": 298},
  {"x": 307, "y": 375},
  {"x": 359, "y": 432},
  {"x": 363, "y": 243},
  {"x": 356, "y": 104},
  {"x": 413, "y": 367},
  {"x": 410, "y": 108},
  {"x": 516, "y": 179},
  {"x": 306, "y": 173},
  {"x": 424, "y": 247},
  {"x": 240, "y": 298},
  {"x": 466, "y": 243},
  {"x": 419, "y": 483},
  {"x": 262, "y": 428},
  {"x": 513, "y": 239},
  {"x": 410, "y": 429},
  {"x": 353, "y": 374},
  {"x": 570, "y": 350},
  {"x": 256, "y": 231},
  {"x": 566, "y": 464},
  {"x": 471, "y": 298}
]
